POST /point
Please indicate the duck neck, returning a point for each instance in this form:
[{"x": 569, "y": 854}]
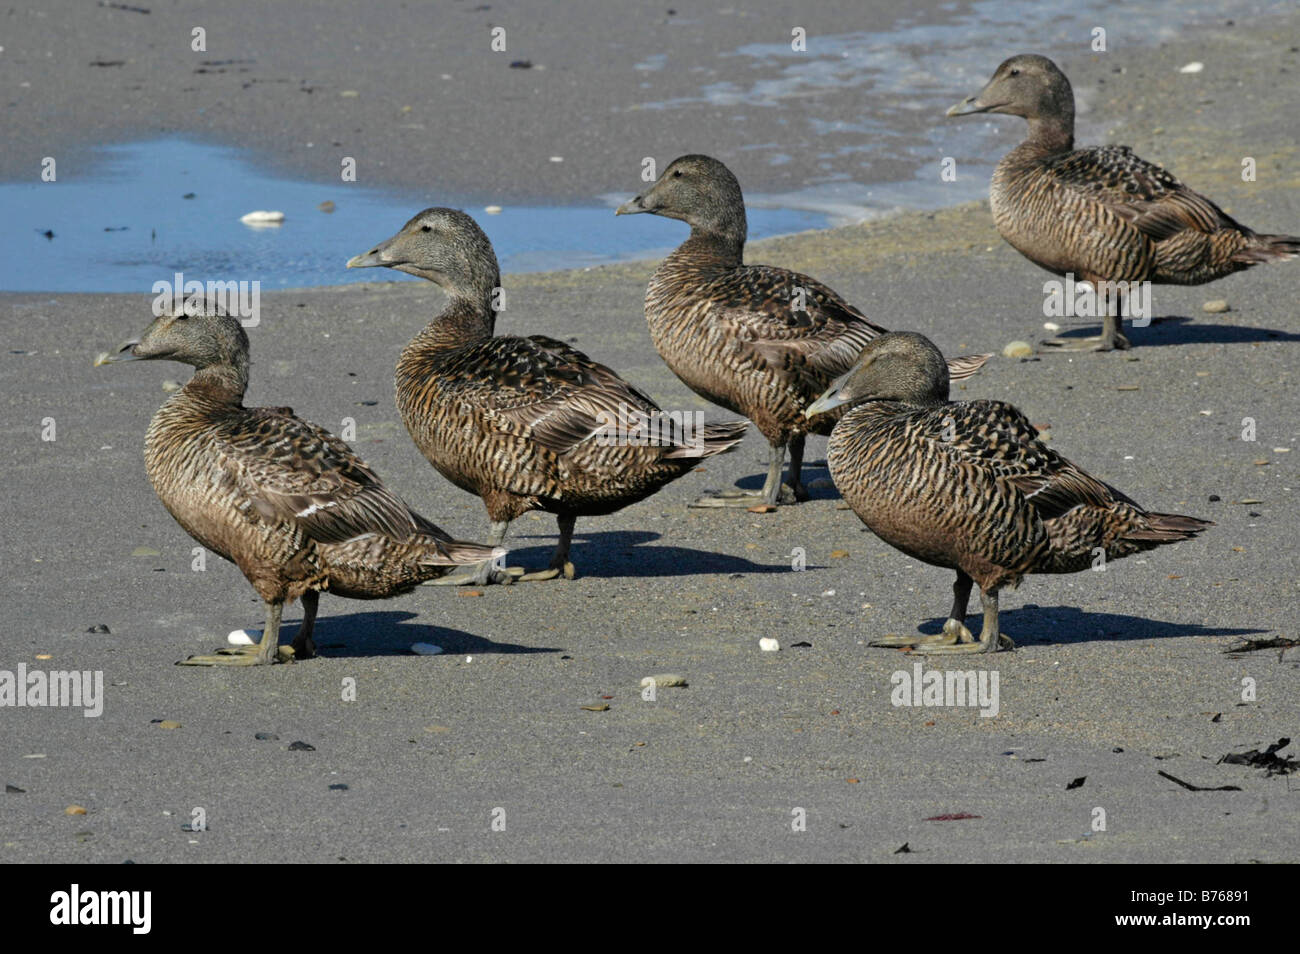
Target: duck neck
[
  {"x": 1049, "y": 135},
  {"x": 221, "y": 384},
  {"x": 713, "y": 247},
  {"x": 464, "y": 321}
]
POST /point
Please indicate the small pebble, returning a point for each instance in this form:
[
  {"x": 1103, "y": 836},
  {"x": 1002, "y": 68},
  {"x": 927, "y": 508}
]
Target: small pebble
[
  {"x": 425, "y": 649},
  {"x": 492, "y": 209},
  {"x": 1218, "y": 306},
  {"x": 168, "y": 724},
  {"x": 100, "y": 628},
  {"x": 768, "y": 645},
  {"x": 74, "y": 810},
  {"x": 301, "y": 747},
  {"x": 821, "y": 483},
  {"x": 326, "y": 206},
  {"x": 521, "y": 64},
  {"x": 600, "y": 708},
  {"x": 146, "y": 551},
  {"x": 338, "y": 787},
  {"x": 664, "y": 680},
  {"x": 1017, "y": 349},
  {"x": 14, "y": 790},
  {"x": 839, "y": 554},
  {"x": 1051, "y": 326},
  {"x": 266, "y": 737},
  {"x": 170, "y": 385},
  {"x": 1193, "y": 67}
]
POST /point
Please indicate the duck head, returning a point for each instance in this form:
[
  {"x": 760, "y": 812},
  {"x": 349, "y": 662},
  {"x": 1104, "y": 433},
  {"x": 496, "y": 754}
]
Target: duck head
[
  {"x": 444, "y": 246},
  {"x": 700, "y": 191},
  {"x": 1027, "y": 85},
  {"x": 898, "y": 366},
  {"x": 197, "y": 333}
]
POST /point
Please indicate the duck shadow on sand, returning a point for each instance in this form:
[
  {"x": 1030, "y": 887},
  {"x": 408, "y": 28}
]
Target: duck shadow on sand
[
  {"x": 1033, "y": 625},
  {"x": 620, "y": 553},
  {"x": 392, "y": 632},
  {"x": 1181, "y": 330}
]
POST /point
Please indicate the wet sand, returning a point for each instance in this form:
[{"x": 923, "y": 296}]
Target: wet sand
[{"x": 1131, "y": 659}]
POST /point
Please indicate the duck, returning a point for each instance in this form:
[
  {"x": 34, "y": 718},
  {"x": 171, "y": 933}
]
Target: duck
[
  {"x": 759, "y": 340},
  {"x": 286, "y": 501},
  {"x": 970, "y": 486},
  {"x": 1102, "y": 214},
  {"x": 525, "y": 423}
]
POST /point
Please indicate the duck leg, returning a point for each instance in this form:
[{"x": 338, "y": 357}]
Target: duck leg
[
  {"x": 991, "y": 639},
  {"x": 263, "y": 654},
  {"x": 954, "y": 630},
  {"x": 484, "y": 573},
  {"x": 304, "y": 647},
  {"x": 560, "y": 563},
  {"x": 796, "y": 467},
  {"x": 1111, "y": 338},
  {"x": 772, "y": 494}
]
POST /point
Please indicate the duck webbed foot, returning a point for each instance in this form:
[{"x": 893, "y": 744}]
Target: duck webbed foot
[
  {"x": 265, "y": 653},
  {"x": 1110, "y": 339},
  {"x": 561, "y": 565},
  {"x": 1116, "y": 342},
  {"x": 991, "y": 638},
  {"x": 774, "y": 493},
  {"x": 954, "y": 632},
  {"x": 486, "y": 573}
]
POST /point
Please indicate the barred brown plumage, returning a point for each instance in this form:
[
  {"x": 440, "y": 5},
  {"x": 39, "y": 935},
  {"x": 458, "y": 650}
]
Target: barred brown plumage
[
  {"x": 1102, "y": 213},
  {"x": 759, "y": 340},
  {"x": 969, "y": 486},
  {"x": 284, "y": 500},
  {"x": 524, "y": 423}
]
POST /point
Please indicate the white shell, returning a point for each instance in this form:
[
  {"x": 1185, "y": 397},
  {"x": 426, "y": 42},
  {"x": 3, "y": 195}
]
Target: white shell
[
  {"x": 1193, "y": 67},
  {"x": 768, "y": 645},
  {"x": 241, "y": 637},
  {"x": 262, "y": 217},
  {"x": 492, "y": 209}
]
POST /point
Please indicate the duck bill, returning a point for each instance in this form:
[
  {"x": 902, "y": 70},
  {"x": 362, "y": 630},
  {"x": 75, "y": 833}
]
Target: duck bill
[
  {"x": 124, "y": 352},
  {"x": 633, "y": 206},
  {"x": 972, "y": 105},
  {"x": 377, "y": 257},
  {"x": 827, "y": 402}
]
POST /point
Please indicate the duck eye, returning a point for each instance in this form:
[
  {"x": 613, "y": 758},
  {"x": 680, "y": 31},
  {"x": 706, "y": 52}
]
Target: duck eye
[
  {"x": 677, "y": 173},
  {"x": 1015, "y": 72},
  {"x": 426, "y": 228}
]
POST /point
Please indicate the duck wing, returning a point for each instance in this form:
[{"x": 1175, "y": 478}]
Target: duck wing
[
  {"x": 296, "y": 473},
  {"x": 1145, "y": 195},
  {"x": 999, "y": 440},
  {"x": 790, "y": 321},
  {"x": 547, "y": 392}
]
